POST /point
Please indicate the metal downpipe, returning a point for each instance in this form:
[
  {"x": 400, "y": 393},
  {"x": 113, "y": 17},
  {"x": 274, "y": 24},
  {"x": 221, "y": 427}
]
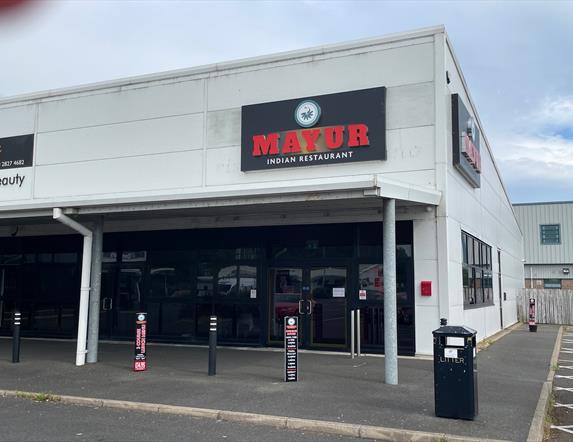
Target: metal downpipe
[{"x": 85, "y": 281}]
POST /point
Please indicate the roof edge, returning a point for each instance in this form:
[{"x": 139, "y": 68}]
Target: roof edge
[
  {"x": 542, "y": 203},
  {"x": 227, "y": 65}
]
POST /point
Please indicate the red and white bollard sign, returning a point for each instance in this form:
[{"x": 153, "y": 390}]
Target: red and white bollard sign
[
  {"x": 140, "y": 362},
  {"x": 532, "y": 323}
]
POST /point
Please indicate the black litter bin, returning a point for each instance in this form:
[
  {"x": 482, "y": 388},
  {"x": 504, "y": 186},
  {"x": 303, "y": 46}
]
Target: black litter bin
[{"x": 455, "y": 372}]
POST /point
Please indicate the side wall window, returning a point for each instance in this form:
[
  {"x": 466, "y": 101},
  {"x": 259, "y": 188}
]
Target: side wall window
[{"x": 476, "y": 271}]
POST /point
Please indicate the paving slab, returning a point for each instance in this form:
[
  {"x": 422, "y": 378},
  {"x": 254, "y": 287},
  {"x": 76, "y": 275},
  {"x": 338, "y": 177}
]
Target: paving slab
[{"x": 332, "y": 387}]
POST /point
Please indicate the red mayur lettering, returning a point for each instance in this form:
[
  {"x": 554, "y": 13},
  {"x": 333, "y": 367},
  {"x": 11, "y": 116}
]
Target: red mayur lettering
[
  {"x": 290, "y": 143},
  {"x": 472, "y": 154}
]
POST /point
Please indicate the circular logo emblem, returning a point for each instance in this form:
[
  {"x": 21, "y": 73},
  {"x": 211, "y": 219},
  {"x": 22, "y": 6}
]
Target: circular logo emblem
[
  {"x": 291, "y": 321},
  {"x": 307, "y": 113},
  {"x": 471, "y": 128},
  {"x": 140, "y": 317}
]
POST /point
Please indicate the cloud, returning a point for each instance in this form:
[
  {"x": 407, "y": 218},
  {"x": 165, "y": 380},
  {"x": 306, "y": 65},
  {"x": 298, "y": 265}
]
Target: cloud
[
  {"x": 554, "y": 151},
  {"x": 519, "y": 71},
  {"x": 554, "y": 113}
]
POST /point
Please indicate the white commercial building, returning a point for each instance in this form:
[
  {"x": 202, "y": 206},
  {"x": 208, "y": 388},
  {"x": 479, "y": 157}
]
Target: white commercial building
[{"x": 255, "y": 190}]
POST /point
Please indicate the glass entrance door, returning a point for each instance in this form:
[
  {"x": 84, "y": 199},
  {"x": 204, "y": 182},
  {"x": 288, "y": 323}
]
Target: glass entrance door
[
  {"x": 285, "y": 298},
  {"x": 327, "y": 300},
  {"x": 317, "y": 295},
  {"x": 121, "y": 297}
]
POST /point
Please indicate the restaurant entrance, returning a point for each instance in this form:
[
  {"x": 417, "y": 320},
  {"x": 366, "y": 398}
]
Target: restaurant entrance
[{"x": 318, "y": 296}]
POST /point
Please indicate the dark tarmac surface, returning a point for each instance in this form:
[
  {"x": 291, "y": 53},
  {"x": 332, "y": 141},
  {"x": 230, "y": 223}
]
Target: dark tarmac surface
[
  {"x": 50, "y": 421},
  {"x": 331, "y": 387}
]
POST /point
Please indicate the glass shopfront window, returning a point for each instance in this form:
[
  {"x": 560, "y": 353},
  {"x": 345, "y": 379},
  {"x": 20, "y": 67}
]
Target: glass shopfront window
[{"x": 183, "y": 277}]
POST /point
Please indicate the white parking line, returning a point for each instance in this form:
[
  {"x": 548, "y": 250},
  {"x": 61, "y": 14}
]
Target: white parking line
[
  {"x": 570, "y": 406},
  {"x": 564, "y": 377},
  {"x": 566, "y": 428},
  {"x": 564, "y": 389}
]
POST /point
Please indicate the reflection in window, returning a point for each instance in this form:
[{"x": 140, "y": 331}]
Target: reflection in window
[
  {"x": 227, "y": 281},
  {"x": 170, "y": 281},
  {"x": 10, "y": 259},
  {"x": 204, "y": 281},
  {"x": 371, "y": 279},
  {"x": 247, "y": 280},
  {"x": 324, "y": 282},
  {"x": 138, "y": 256},
  {"x": 232, "y": 277}
]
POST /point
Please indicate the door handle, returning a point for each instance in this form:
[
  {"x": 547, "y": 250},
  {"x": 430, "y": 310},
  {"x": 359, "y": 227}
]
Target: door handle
[
  {"x": 300, "y": 307},
  {"x": 107, "y": 304},
  {"x": 310, "y": 304}
]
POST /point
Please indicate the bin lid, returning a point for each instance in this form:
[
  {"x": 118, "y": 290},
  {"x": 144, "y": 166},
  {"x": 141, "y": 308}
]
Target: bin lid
[{"x": 455, "y": 330}]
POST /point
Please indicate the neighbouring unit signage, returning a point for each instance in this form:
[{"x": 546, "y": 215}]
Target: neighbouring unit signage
[
  {"x": 325, "y": 129},
  {"x": 16, "y": 151},
  {"x": 465, "y": 142},
  {"x": 140, "y": 362},
  {"x": 291, "y": 348}
]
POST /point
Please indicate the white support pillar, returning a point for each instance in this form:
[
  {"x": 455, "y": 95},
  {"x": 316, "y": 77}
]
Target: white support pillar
[
  {"x": 95, "y": 293},
  {"x": 390, "y": 311},
  {"x": 85, "y": 282}
]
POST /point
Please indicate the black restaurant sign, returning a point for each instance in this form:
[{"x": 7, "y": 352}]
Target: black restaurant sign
[
  {"x": 465, "y": 142},
  {"x": 325, "y": 129},
  {"x": 291, "y": 348}
]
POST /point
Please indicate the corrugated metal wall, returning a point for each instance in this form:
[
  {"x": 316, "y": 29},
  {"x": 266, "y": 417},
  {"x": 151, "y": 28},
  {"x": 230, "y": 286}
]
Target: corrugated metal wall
[
  {"x": 531, "y": 216},
  {"x": 545, "y": 271}
]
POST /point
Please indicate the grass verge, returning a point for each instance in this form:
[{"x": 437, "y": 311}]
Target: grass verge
[{"x": 39, "y": 397}]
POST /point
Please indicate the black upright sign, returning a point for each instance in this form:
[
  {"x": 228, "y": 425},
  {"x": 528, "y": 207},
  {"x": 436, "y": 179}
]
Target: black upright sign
[
  {"x": 140, "y": 362},
  {"x": 16, "y": 151},
  {"x": 465, "y": 142},
  {"x": 324, "y": 129},
  {"x": 291, "y": 348}
]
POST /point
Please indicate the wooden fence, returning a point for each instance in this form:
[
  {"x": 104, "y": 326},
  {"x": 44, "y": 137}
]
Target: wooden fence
[{"x": 553, "y": 306}]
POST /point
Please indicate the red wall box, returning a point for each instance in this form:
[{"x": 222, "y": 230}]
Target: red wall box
[{"x": 426, "y": 288}]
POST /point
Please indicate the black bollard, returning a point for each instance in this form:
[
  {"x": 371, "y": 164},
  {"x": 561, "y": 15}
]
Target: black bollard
[
  {"x": 213, "y": 346},
  {"x": 16, "y": 337}
]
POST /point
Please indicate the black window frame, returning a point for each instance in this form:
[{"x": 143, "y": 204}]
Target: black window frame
[{"x": 477, "y": 275}]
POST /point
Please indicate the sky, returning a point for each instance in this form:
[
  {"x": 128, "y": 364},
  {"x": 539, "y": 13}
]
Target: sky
[{"x": 517, "y": 57}]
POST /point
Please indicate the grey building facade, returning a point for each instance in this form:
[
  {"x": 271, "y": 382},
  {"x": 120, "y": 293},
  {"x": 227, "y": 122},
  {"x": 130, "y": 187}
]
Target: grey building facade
[{"x": 548, "y": 244}]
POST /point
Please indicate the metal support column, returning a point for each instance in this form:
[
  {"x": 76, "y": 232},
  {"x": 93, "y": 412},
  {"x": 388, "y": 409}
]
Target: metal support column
[
  {"x": 95, "y": 294},
  {"x": 358, "y": 334},
  {"x": 352, "y": 334},
  {"x": 390, "y": 322}
]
